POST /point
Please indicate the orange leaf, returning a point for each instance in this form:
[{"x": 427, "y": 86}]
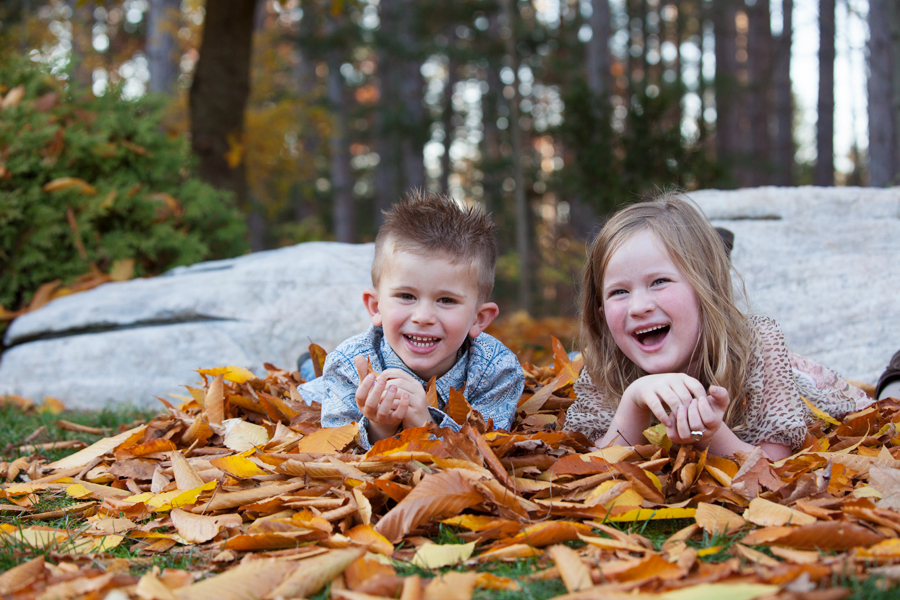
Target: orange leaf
[
  {"x": 215, "y": 401},
  {"x": 20, "y": 576},
  {"x": 547, "y": 533},
  {"x": 395, "y": 491},
  {"x": 457, "y": 407},
  {"x": 98, "y": 449},
  {"x": 371, "y": 539},
  {"x": 328, "y": 440},
  {"x": 64, "y": 183},
  {"x": 443, "y": 494},
  {"x": 318, "y": 354},
  {"x": 653, "y": 566},
  {"x": 156, "y": 445},
  {"x": 822, "y": 535},
  {"x": 251, "y": 579}
]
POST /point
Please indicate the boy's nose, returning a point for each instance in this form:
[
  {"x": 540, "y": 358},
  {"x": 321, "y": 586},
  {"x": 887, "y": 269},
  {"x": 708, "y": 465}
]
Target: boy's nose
[{"x": 423, "y": 313}]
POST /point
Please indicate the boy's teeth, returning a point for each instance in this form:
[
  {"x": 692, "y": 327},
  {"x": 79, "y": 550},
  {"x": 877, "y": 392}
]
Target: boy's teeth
[{"x": 421, "y": 341}]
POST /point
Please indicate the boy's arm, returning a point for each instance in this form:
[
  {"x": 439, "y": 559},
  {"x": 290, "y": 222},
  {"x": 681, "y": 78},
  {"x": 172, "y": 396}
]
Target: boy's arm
[
  {"x": 496, "y": 388},
  {"x": 335, "y": 390}
]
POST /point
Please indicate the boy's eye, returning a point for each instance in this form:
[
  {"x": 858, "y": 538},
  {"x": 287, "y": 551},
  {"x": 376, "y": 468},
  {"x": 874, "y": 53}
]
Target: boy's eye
[
  {"x": 447, "y": 301},
  {"x": 404, "y": 296}
]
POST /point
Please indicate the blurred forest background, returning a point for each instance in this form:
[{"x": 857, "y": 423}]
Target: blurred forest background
[{"x": 316, "y": 115}]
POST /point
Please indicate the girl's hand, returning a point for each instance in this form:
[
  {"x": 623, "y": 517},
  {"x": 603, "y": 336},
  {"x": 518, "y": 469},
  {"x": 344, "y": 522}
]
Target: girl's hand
[
  {"x": 704, "y": 414},
  {"x": 663, "y": 394}
]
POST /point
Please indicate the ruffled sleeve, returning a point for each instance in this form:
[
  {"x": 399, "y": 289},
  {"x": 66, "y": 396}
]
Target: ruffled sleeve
[
  {"x": 774, "y": 412},
  {"x": 590, "y": 414}
]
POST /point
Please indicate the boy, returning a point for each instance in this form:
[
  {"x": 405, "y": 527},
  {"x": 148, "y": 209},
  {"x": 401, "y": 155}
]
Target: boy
[{"x": 432, "y": 275}]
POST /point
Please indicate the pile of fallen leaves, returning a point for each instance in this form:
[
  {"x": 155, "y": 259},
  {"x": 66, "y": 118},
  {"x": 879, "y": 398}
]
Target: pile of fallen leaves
[{"x": 241, "y": 477}]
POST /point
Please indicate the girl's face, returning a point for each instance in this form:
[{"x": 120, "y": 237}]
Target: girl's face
[{"x": 650, "y": 307}]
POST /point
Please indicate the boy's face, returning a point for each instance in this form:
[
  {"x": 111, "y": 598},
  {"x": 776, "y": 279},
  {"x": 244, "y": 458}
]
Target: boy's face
[{"x": 427, "y": 306}]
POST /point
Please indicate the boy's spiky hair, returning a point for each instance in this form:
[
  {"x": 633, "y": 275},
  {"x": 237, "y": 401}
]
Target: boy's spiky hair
[{"x": 430, "y": 224}]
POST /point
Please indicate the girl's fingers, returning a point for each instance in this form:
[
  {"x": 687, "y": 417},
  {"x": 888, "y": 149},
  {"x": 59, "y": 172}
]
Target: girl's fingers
[
  {"x": 695, "y": 417},
  {"x": 720, "y": 397},
  {"x": 707, "y": 412},
  {"x": 682, "y": 427}
]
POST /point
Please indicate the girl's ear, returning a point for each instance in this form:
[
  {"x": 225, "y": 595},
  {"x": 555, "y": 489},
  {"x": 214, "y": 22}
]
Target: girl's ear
[
  {"x": 370, "y": 299},
  {"x": 486, "y": 314}
]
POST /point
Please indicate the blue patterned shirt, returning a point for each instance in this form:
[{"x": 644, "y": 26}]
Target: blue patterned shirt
[{"x": 490, "y": 372}]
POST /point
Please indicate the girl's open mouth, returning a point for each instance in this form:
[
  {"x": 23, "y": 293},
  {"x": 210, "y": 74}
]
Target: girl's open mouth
[{"x": 652, "y": 336}]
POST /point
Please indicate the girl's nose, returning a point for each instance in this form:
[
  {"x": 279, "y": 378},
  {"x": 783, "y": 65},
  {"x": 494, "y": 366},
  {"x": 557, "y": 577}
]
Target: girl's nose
[{"x": 641, "y": 302}]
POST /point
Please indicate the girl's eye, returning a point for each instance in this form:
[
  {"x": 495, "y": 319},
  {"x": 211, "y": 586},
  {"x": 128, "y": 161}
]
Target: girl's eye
[
  {"x": 612, "y": 293},
  {"x": 661, "y": 280}
]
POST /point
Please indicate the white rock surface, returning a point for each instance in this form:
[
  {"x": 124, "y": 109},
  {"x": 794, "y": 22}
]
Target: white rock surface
[
  {"x": 128, "y": 342},
  {"x": 824, "y": 263}
]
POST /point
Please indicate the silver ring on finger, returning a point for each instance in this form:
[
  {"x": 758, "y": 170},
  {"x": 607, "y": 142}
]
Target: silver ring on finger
[{"x": 697, "y": 435}]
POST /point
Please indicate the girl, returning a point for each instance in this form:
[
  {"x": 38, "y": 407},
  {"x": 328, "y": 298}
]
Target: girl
[{"x": 664, "y": 340}]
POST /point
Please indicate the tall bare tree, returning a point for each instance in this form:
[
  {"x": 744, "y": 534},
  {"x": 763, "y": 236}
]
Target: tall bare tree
[
  {"x": 760, "y": 60},
  {"x": 598, "y": 56},
  {"x": 412, "y": 88},
  {"x": 728, "y": 114},
  {"x": 341, "y": 173},
  {"x": 883, "y": 163},
  {"x": 823, "y": 174},
  {"x": 218, "y": 98},
  {"x": 783, "y": 154}
]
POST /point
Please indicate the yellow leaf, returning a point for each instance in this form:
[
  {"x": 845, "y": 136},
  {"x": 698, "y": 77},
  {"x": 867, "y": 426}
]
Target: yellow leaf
[
  {"x": 232, "y": 373},
  {"x": 820, "y": 414},
  {"x": 716, "y": 591},
  {"x": 238, "y": 466},
  {"x": 652, "y": 514},
  {"x": 657, "y": 436},
  {"x": 77, "y": 491},
  {"x": 177, "y": 499},
  {"x": 435, "y": 556}
]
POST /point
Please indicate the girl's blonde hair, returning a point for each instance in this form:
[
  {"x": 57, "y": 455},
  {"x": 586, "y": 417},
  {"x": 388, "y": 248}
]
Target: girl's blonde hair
[{"x": 723, "y": 347}]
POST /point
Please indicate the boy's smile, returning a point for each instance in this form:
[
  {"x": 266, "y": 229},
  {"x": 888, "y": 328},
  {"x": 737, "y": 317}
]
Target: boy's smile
[
  {"x": 650, "y": 307},
  {"x": 427, "y": 306}
]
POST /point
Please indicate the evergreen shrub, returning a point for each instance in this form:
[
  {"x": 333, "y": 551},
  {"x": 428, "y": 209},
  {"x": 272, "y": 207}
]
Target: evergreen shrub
[{"x": 86, "y": 182}]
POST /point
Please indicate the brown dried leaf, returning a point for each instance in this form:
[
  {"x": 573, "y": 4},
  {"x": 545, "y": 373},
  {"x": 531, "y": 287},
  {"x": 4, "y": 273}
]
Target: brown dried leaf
[
  {"x": 96, "y": 450},
  {"x": 186, "y": 477},
  {"x": 312, "y": 574},
  {"x": 575, "y": 574},
  {"x": 248, "y": 581},
  {"x": 715, "y": 519},
  {"x": 452, "y": 585},
  {"x": 886, "y": 481},
  {"x": 443, "y": 494},
  {"x": 199, "y": 529},
  {"x": 215, "y": 400},
  {"x": 766, "y": 513},
  {"x": 21, "y": 576}
]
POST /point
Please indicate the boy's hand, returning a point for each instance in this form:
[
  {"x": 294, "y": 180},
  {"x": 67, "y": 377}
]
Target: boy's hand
[
  {"x": 382, "y": 403},
  {"x": 417, "y": 414}
]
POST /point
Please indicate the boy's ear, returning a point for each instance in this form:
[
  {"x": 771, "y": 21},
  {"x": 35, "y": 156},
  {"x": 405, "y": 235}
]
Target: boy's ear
[
  {"x": 370, "y": 299},
  {"x": 486, "y": 314}
]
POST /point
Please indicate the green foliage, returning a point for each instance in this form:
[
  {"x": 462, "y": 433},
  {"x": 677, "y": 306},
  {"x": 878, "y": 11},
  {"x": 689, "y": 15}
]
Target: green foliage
[
  {"x": 141, "y": 202},
  {"x": 608, "y": 167}
]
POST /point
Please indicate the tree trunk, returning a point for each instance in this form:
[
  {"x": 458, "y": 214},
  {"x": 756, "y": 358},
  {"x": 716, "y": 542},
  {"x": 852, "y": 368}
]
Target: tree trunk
[
  {"x": 783, "y": 155},
  {"x": 598, "y": 56},
  {"x": 760, "y": 66},
  {"x": 726, "y": 83},
  {"x": 387, "y": 173},
  {"x": 523, "y": 237},
  {"x": 824, "y": 169},
  {"x": 893, "y": 17},
  {"x": 412, "y": 86},
  {"x": 218, "y": 98},
  {"x": 883, "y": 154},
  {"x": 341, "y": 173},
  {"x": 161, "y": 50},
  {"x": 447, "y": 119}
]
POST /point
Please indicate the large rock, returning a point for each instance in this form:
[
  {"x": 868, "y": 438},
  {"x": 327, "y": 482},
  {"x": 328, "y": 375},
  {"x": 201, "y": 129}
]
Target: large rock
[
  {"x": 128, "y": 342},
  {"x": 824, "y": 263}
]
